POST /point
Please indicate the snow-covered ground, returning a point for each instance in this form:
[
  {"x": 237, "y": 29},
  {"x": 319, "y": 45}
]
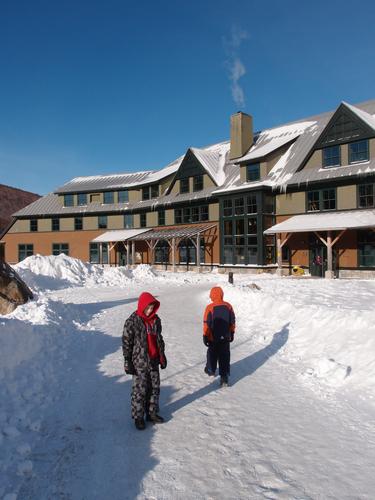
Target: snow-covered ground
[{"x": 296, "y": 422}]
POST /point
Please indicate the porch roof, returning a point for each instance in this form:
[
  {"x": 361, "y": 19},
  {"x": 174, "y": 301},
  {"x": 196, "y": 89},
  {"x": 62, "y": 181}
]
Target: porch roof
[
  {"x": 327, "y": 221},
  {"x": 176, "y": 232},
  {"x": 118, "y": 235}
]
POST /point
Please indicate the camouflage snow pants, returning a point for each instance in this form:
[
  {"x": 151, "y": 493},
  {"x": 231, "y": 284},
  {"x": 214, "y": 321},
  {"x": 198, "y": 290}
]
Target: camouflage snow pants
[{"x": 145, "y": 392}]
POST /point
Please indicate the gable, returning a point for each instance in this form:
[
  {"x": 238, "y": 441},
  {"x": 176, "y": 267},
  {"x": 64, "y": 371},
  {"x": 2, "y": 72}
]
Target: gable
[
  {"x": 344, "y": 126},
  {"x": 190, "y": 166}
]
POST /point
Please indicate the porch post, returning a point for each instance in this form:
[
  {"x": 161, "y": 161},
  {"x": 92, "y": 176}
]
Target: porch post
[
  {"x": 279, "y": 270},
  {"x": 133, "y": 253},
  {"x": 127, "y": 254},
  {"x": 198, "y": 253},
  {"x": 329, "y": 273},
  {"x": 174, "y": 255},
  {"x": 101, "y": 253},
  {"x": 152, "y": 252}
]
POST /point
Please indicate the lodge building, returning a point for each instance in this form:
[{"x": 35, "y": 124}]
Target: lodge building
[{"x": 298, "y": 194}]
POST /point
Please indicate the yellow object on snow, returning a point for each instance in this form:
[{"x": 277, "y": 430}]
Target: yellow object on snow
[{"x": 297, "y": 271}]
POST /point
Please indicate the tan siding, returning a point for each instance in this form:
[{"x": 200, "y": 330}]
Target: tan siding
[
  {"x": 372, "y": 148},
  {"x": 176, "y": 188},
  {"x": 191, "y": 184},
  {"x": 135, "y": 195},
  {"x": 207, "y": 182},
  {"x": 315, "y": 161},
  {"x": 346, "y": 197},
  {"x": 152, "y": 219},
  {"x": 61, "y": 199},
  {"x": 263, "y": 169},
  {"x": 67, "y": 224},
  {"x": 290, "y": 203},
  {"x": 115, "y": 222},
  {"x": 243, "y": 173},
  {"x": 137, "y": 221},
  {"x": 165, "y": 183},
  {"x": 44, "y": 225},
  {"x": 95, "y": 198},
  {"x": 344, "y": 151},
  {"x": 90, "y": 222},
  {"x": 213, "y": 211},
  {"x": 20, "y": 226},
  {"x": 169, "y": 217}
]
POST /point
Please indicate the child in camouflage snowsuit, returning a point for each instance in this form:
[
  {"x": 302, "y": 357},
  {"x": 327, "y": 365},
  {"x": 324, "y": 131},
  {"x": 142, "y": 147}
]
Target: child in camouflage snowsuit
[{"x": 143, "y": 349}]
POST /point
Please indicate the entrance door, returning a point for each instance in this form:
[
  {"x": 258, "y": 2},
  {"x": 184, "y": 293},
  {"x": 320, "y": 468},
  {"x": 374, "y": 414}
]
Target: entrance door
[
  {"x": 121, "y": 256},
  {"x": 318, "y": 260}
]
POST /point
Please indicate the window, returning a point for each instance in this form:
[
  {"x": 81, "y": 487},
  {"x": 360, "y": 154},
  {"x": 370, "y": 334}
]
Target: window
[
  {"x": 198, "y": 183},
  {"x": 161, "y": 218},
  {"x": 82, "y": 199},
  {"x": 102, "y": 222},
  {"x": 313, "y": 201},
  {"x": 239, "y": 206},
  {"x": 178, "y": 216},
  {"x": 58, "y": 248},
  {"x": 188, "y": 253},
  {"x": 329, "y": 199},
  {"x": 154, "y": 190},
  {"x": 108, "y": 197},
  {"x": 366, "y": 195},
  {"x": 162, "y": 252},
  {"x": 55, "y": 224},
  {"x": 252, "y": 231},
  {"x": 68, "y": 200},
  {"x": 187, "y": 215},
  {"x": 143, "y": 220},
  {"x": 253, "y": 172},
  {"x": 128, "y": 221},
  {"x": 366, "y": 248},
  {"x": 184, "y": 185},
  {"x": 204, "y": 212},
  {"x": 358, "y": 151},
  {"x": 252, "y": 204},
  {"x": 321, "y": 200},
  {"x": 25, "y": 250},
  {"x": 123, "y": 196},
  {"x": 228, "y": 232},
  {"x": 195, "y": 214},
  {"x": 33, "y": 225},
  {"x": 146, "y": 193},
  {"x": 149, "y": 192},
  {"x": 78, "y": 223},
  {"x": 331, "y": 156},
  {"x": 94, "y": 253},
  {"x": 228, "y": 208},
  {"x": 105, "y": 259}
]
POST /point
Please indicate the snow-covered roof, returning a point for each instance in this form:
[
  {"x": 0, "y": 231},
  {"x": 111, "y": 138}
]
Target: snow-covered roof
[
  {"x": 118, "y": 235},
  {"x": 325, "y": 221}
]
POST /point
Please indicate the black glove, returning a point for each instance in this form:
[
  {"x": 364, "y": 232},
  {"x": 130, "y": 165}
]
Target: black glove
[
  {"x": 129, "y": 367},
  {"x": 206, "y": 342},
  {"x": 231, "y": 336},
  {"x": 163, "y": 362}
]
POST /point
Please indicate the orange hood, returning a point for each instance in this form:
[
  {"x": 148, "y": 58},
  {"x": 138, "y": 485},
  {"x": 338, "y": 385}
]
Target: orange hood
[{"x": 216, "y": 294}]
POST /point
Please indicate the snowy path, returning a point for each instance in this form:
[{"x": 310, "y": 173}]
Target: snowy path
[{"x": 265, "y": 437}]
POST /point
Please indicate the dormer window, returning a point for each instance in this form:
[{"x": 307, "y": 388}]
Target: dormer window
[
  {"x": 108, "y": 197},
  {"x": 184, "y": 185},
  {"x": 82, "y": 199},
  {"x": 68, "y": 200},
  {"x": 358, "y": 151},
  {"x": 149, "y": 192},
  {"x": 123, "y": 196},
  {"x": 198, "y": 183},
  {"x": 253, "y": 172},
  {"x": 331, "y": 156}
]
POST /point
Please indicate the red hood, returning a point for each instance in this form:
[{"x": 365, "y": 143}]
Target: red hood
[
  {"x": 145, "y": 299},
  {"x": 216, "y": 294}
]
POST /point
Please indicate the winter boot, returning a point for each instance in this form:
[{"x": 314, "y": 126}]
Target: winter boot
[
  {"x": 209, "y": 372},
  {"x": 223, "y": 380},
  {"x": 154, "y": 418},
  {"x": 140, "y": 424}
]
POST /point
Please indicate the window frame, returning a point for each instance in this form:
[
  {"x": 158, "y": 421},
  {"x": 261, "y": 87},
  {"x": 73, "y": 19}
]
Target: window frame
[
  {"x": 55, "y": 224},
  {"x": 185, "y": 188},
  {"x": 359, "y": 196},
  {"x": 321, "y": 200},
  {"x": 33, "y": 225},
  {"x": 78, "y": 221},
  {"x": 250, "y": 177},
  {"x": 126, "y": 217},
  {"x": 82, "y": 199},
  {"x": 110, "y": 195},
  {"x": 198, "y": 183},
  {"x": 351, "y": 161},
  {"x": 27, "y": 250},
  {"x": 101, "y": 223},
  {"x": 69, "y": 197},
  {"x": 59, "y": 250},
  {"x": 143, "y": 219},
  {"x": 161, "y": 217},
  {"x": 326, "y": 158},
  {"x": 125, "y": 193}
]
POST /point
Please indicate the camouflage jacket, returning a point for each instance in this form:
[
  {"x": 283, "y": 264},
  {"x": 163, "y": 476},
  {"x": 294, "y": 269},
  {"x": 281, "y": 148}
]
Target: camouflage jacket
[{"x": 134, "y": 341}]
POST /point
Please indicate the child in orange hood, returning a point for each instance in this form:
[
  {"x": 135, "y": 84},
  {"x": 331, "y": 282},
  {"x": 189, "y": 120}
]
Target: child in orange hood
[{"x": 218, "y": 331}]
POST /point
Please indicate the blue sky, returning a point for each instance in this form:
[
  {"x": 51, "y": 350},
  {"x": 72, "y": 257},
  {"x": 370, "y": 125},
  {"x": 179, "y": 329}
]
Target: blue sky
[{"x": 96, "y": 87}]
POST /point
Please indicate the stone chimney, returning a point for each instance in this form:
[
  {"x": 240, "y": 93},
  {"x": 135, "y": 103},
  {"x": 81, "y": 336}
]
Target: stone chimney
[{"x": 241, "y": 134}]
